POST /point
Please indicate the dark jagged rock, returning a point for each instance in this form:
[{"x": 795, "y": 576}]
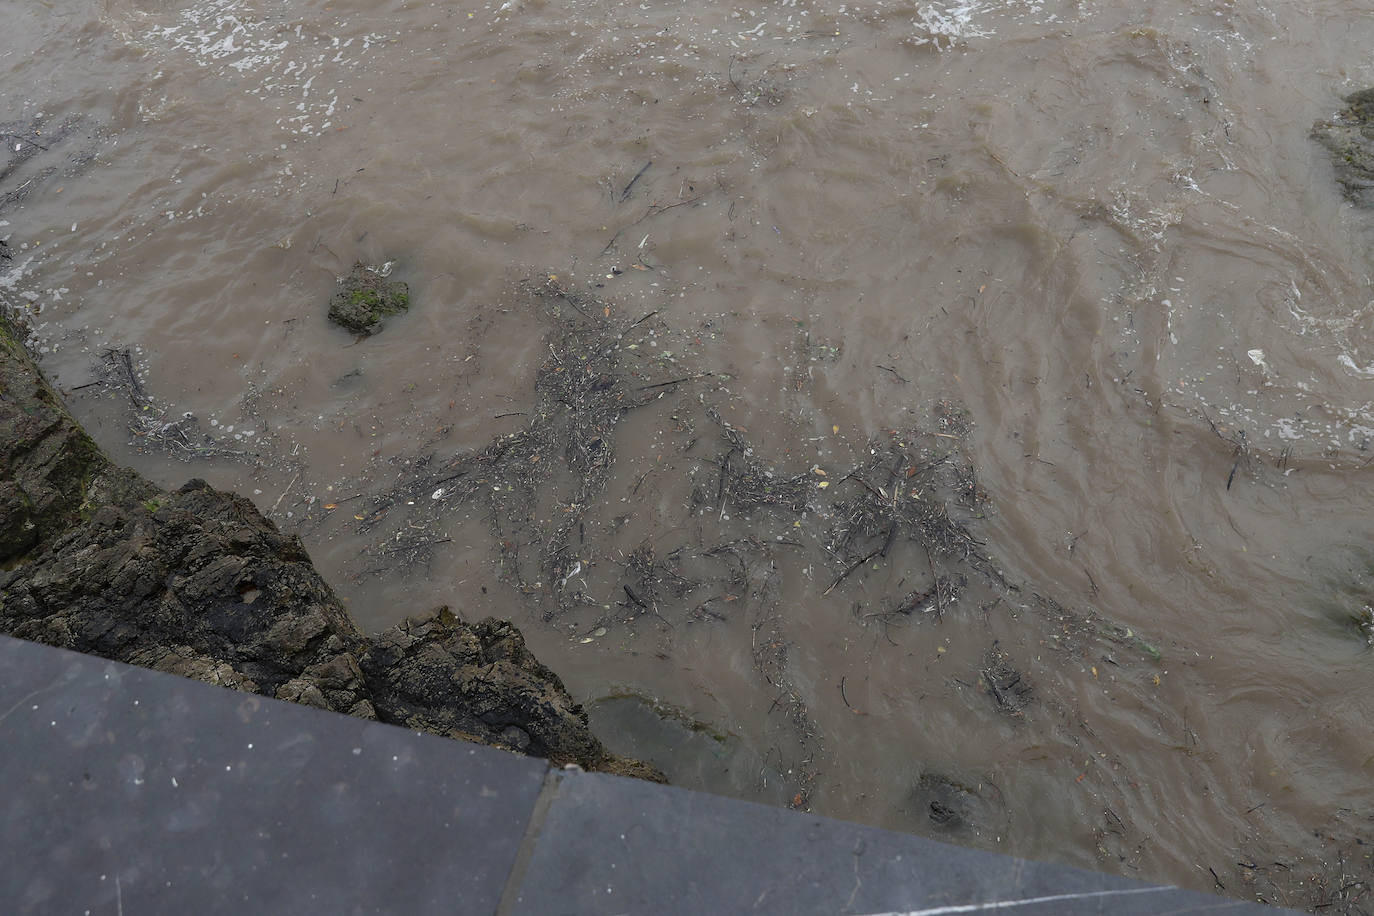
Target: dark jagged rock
[
  {"x": 478, "y": 682},
  {"x": 197, "y": 582},
  {"x": 1350, "y": 138},
  {"x": 365, "y": 298}
]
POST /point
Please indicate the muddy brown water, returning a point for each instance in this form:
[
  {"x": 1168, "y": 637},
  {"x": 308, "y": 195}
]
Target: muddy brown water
[{"x": 1085, "y": 253}]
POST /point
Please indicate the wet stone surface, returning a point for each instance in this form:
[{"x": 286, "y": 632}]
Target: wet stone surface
[
  {"x": 366, "y": 297},
  {"x": 134, "y": 791},
  {"x": 613, "y": 846}
]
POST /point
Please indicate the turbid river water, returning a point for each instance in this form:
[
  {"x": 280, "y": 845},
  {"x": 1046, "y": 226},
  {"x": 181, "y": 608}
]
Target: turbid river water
[{"x": 951, "y": 416}]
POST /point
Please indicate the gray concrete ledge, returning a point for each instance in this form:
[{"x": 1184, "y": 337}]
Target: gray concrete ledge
[{"x": 130, "y": 791}]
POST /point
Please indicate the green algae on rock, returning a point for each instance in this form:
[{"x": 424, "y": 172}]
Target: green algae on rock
[
  {"x": 365, "y": 297},
  {"x": 1350, "y": 138},
  {"x": 51, "y": 474}
]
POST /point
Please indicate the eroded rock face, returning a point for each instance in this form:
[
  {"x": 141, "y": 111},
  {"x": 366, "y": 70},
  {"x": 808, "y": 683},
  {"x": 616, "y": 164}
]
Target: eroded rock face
[
  {"x": 194, "y": 582},
  {"x": 198, "y": 583},
  {"x": 479, "y": 682},
  {"x": 50, "y": 470}
]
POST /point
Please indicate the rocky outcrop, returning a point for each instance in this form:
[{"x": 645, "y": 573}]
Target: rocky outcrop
[
  {"x": 51, "y": 473},
  {"x": 197, "y": 582},
  {"x": 194, "y": 582},
  {"x": 479, "y": 682}
]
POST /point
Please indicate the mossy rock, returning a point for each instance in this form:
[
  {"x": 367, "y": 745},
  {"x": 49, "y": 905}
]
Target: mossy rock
[
  {"x": 51, "y": 473},
  {"x": 365, "y": 298},
  {"x": 1350, "y": 138}
]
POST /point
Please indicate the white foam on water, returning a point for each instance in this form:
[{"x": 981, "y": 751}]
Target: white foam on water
[
  {"x": 277, "y": 63},
  {"x": 943, "y": 24}
]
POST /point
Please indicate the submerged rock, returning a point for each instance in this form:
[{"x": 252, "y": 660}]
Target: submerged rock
[
  {"x": 365, "y": 297},
  {"x": 198, "y": 582},
  {"x": 948, "y": 805},
  {"x": 1350, "y": 138}
]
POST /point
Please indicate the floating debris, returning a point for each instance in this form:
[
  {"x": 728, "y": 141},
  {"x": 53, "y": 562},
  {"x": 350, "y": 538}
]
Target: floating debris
[{"x": 1007, "y": 687}]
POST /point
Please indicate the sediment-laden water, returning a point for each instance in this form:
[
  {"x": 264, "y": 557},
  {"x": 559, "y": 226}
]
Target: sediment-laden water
[{"x": 951, "y": 416}]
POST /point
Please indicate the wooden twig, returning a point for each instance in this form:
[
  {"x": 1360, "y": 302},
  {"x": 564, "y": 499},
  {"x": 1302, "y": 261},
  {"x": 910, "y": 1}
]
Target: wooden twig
[
  {"x": 852, "y": 567},
  {"x": 626, "y": 193},
  {"x": 935, "y": 585},
  {"x": 654, "y": 210},
  {"x": 284, "y": 492},
  {"x": 676, "y": 381}
]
